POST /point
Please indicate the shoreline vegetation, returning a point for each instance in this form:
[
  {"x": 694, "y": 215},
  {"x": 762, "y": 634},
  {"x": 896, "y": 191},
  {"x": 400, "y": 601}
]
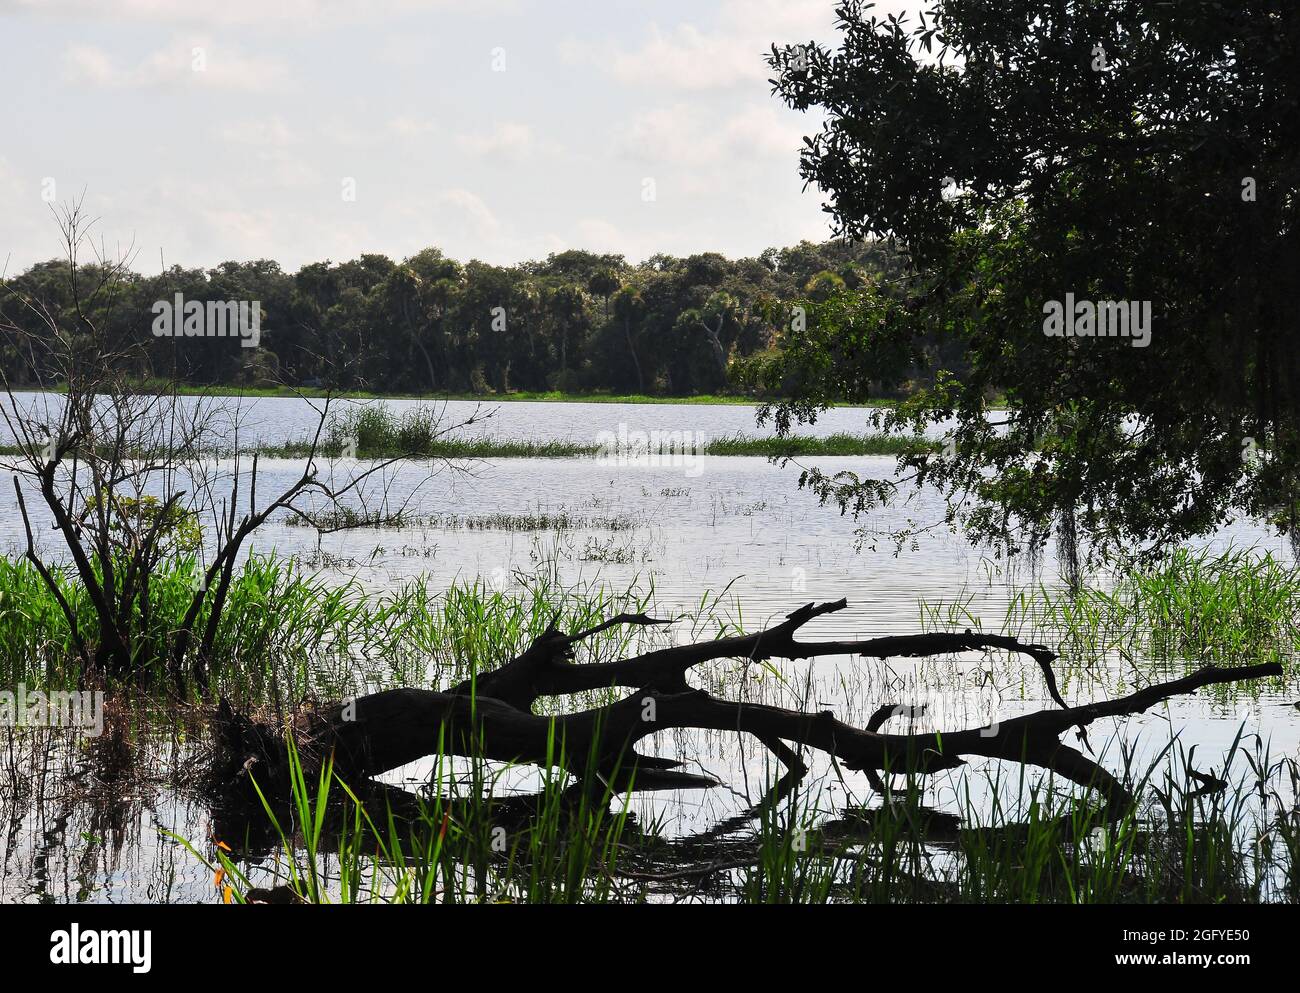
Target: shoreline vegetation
[
  {"x": 737, "y": 445},
  {"x": 380, "y": 432},
  {"x": 512, "y": 396},
  {"x": 669, "y": 445}
]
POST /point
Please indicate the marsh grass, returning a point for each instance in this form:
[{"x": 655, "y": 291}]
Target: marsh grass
[
  {"x": 461, "y": 842},
  {"x": 458, "y": 841},
  {"x": 1234, "y": 607},
  {"x": 540, "y": 520},
  {"x": 1007, "y": 835},
  {"x": 794, "y": 446},
  {"x": 421, "y": 438},
  {"x": 286, "y": 634}
]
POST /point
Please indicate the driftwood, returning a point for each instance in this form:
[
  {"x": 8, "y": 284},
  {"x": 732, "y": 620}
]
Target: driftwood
[{"x": 490, "y": 716}]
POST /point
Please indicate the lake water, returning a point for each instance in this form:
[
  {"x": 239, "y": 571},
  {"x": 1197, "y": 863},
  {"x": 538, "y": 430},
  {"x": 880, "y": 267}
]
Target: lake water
[{"x": 740, "y": 524}]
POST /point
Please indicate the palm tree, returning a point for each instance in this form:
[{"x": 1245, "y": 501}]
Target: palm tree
[
  {"x": 627, "y": 308},
  {"x": 602, "y": 284}
]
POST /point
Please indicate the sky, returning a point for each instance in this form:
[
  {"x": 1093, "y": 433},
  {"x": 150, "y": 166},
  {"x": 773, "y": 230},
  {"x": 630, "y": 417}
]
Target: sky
[{"x": 303, "y": 130}]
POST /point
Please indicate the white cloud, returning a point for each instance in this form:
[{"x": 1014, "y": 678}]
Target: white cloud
[
  {"x": 600, "y": 235},
  {"x": 10, "y": 185},
  {"x": 595, "y": 234},
  {"x": 461, "y": 223},
  {"x": 689, "y": 57},
  {"x": 686, "y": 135},
  {"x": 233, "y": 226},
  {"x": 341, "y": 131},
  {"x": 27, "y": 222},
  {"x": 294, "y": 15},
  {"x": 198, "y": 63},
  {"x": 408, "y": 126},
  {"x": 288, "y": 171},
  {"x": 506, "y": 139},
  {"x": 683, "y": 58},
  {"x": 729, "y": 53},
  {"x": 344, "y": 129},
  {"x": 766, "y": 129},
  {"x": 466, "y": 206},
  {"x": 85, "y": 63},
  {"x": 269, "y": 132}
]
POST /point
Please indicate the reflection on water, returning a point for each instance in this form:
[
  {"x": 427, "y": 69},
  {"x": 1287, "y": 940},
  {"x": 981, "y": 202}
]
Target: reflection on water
[{"x": 88, "y": 820}]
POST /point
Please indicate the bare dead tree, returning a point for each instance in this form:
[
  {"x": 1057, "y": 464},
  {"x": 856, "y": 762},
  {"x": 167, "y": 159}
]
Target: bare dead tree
[{"x": 117, "y": 462}]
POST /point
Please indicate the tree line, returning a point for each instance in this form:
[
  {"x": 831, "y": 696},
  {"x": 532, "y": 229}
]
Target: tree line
[{"x": 576, "y": 322}]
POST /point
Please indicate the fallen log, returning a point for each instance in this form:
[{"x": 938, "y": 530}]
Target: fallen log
[
  {"x": 490, "y": 717},
  {"x": 392, "y": 728}
]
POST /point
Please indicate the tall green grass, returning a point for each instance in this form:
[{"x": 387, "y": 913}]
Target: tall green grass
[
  {"x": 467, "y": 844},
  {"x": 464, "y": 843},
  {"x": 286, "y": 634},
  {"x": 1235, "y": 607},
  {"x": 840, "y": 444}
]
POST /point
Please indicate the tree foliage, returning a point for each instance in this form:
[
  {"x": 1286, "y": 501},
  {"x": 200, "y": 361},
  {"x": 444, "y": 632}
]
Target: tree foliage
[
  {"x": 1116, "y": 151},
  {"x": 577, "y": 321}
]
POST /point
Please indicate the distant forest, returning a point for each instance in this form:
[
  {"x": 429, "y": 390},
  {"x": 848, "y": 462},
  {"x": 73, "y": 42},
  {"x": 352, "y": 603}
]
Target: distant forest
[{"x": 577, "y": 322}]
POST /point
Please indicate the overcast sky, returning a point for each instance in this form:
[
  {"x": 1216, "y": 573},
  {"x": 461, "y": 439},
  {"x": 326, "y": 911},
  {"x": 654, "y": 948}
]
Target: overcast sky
[{"x": 242, "y": 149}]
